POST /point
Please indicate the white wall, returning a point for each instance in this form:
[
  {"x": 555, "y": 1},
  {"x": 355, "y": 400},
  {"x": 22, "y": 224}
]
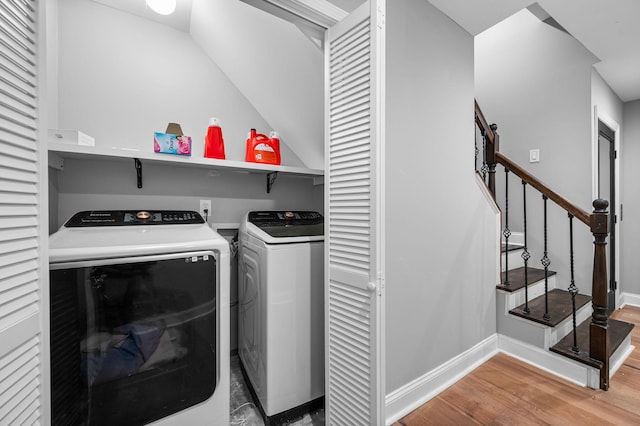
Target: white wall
[
  {"x": 122, "y": 78},
  {"x": 605, "y": 99},
  {"x": 441, "y": 240},
  {"x": 630, "y": 225},
  {"x": 534, "y": 81},
  {"x": 273, "y": 64}
]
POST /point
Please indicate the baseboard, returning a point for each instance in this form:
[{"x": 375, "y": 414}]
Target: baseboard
[
  {"x": 546, "y": 360},
  {"x": 629, "y": 299},
  {"x": 407, "y": 398}
]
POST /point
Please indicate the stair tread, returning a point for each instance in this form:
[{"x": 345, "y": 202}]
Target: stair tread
[
  {"x": 516, "y": 278},
  {"x": 560, "y": 307},
  {"x": 618, "y": 331}
]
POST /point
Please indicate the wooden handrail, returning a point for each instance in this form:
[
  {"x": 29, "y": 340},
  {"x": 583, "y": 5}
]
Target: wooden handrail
[{"x": 571, "y": 208}]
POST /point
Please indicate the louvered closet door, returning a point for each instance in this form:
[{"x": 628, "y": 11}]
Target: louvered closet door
[
  {"x": 354, "y": 293},
  {"x": 20, "y": 234}
]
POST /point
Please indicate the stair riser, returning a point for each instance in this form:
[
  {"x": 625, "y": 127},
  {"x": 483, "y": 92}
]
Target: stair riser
[
  {"x": 533, "y": 333},
  {"x": 514, "y": 261},
  {"x": 535, "y": 289},
  {"x": 566, "y": 326}
]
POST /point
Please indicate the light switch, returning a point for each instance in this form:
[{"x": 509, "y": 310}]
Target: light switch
[{"x": 534, "y": 155}]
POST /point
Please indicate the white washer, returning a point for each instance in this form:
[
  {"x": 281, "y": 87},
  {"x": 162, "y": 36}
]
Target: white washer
[
  {"x": 163, "y": 278},
  {"x": 281, "y": 318}
]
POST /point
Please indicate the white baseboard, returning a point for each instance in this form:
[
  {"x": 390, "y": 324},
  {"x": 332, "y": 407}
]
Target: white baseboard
[
  {"x": 629, "y": 299},
  {"x": 407, "y": 398},
  {"x": 546, "y": 360}
]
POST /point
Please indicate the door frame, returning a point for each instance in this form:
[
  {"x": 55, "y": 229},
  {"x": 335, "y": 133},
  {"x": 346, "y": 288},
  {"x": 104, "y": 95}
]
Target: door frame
[{"x": 601, "y": 116}]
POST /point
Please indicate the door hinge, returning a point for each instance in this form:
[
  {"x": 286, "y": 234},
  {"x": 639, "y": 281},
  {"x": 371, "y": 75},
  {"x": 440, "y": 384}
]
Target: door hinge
[
  {"x": 615, "y": 154},
  {"x": 380, "y": 16},
  {"x": 380, "y": 286},
  {"x": 615, "y": 285}
]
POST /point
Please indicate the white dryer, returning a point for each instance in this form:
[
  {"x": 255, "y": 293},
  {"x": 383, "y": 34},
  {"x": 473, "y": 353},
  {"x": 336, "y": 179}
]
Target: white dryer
[
  {"x": 139, "y": 320},
  {"x": 281, "y": 318}
]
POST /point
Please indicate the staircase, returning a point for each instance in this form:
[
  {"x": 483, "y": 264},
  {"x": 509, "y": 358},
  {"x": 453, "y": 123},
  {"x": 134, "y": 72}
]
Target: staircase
[
  {"x": 540, "y": 320},
  {"x": 548, "y": 343}
]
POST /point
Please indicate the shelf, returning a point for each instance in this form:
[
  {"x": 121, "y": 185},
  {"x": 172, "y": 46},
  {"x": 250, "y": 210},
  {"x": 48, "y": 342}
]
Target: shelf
[{"x": 64, "y": 150}]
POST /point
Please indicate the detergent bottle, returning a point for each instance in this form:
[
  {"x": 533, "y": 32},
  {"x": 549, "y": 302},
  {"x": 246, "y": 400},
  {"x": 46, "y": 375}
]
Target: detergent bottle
[
  {"x": 262, "y": 149},
  {"x": 213, "y": 142}
]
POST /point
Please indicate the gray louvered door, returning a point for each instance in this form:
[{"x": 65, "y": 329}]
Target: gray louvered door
[
  {"x": 22, "y": 266},
  {"x": 355, "y": 288}
]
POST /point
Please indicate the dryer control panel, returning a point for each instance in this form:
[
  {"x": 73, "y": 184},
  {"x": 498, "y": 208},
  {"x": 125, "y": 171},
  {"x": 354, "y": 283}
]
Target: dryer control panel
[{"x": 133, "y": 217}]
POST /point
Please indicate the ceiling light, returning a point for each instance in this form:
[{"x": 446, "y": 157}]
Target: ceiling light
[{"x": 162, "y": 7}]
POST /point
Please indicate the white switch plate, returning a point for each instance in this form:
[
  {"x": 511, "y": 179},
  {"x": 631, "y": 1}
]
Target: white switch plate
[{"x": 534, "y": 155}]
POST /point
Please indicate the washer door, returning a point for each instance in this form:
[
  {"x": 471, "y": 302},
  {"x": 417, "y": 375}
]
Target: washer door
[{"x": 251, "y": 334}]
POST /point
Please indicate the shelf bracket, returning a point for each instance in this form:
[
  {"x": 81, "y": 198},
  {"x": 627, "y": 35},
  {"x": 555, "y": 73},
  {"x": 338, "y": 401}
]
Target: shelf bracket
[
  {"x": 271, "y": 178},
  {"x": 138, "y": 165}
]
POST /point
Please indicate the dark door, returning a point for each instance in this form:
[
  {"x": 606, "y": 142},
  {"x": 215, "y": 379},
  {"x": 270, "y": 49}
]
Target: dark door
[{"x": 607, "y": 190}]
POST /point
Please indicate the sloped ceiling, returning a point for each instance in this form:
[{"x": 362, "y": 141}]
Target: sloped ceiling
[
  {"x": 179, "y": 19},
  {"x": 274, "y": 65},
  {"x": 608, "y": 29}
]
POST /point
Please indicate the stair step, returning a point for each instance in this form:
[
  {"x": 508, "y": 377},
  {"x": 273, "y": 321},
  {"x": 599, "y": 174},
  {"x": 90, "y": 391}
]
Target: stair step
[
  {"x": 560, "y": 307},
  {"x": 618, "y": 331},
  {"x": 510, "y": 247},
  {"x": 516, "y": 278}
]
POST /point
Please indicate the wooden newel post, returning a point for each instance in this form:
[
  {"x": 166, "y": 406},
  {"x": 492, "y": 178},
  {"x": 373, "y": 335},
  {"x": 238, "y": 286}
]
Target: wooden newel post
[
  {"x": 599, "y": 331},
  {"x": 491, "y": 149}
]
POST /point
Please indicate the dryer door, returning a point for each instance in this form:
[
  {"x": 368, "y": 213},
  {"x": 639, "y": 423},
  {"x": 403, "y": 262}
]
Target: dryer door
[{"x": 132, "y": 340}]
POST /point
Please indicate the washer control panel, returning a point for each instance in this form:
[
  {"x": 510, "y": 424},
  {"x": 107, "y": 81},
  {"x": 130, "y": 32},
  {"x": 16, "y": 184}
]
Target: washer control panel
[
  {"x": 133, "y": 217},
  {"x": 284, "y": 224},
  {"x": 285, "y": 218}
]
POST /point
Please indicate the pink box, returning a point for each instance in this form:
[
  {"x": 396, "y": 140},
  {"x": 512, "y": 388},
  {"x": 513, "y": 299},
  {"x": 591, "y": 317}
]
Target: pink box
[{"x": 167, "y": 143}]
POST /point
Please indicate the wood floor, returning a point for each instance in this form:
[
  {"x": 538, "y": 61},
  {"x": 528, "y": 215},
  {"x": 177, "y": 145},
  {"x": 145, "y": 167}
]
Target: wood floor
[{"x": 506, "y": 391}]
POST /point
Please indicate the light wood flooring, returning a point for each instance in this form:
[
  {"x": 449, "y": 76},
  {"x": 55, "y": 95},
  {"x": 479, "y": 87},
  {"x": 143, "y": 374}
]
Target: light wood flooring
[{"x": 506, "y": 391}]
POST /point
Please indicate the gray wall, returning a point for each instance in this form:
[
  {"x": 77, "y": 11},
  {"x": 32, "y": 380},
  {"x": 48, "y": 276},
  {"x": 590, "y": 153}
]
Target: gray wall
[
  {"x": 88, "y": 185},
  {"x": 535, "y": 82},
  {"x": 440, "y": 232},
  {"x": 273, "y": 64},
  {"x": 630, "y": 226},
  {"x": 122, "y": 78}
]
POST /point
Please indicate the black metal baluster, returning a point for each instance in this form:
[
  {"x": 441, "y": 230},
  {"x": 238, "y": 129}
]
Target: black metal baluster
[
  {"x": 475, "y": 142},
  {"x": 525, "y": 253},
  {"x": 485, "y": 166},
  {"x": 545, "y": 262},
  {"x": 573, "y": 290},
  {"x": 506, "y": 232}
]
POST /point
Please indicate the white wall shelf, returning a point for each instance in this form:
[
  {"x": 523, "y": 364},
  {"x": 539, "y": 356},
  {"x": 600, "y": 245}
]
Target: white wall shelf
[{"x": 58, "y": 152}]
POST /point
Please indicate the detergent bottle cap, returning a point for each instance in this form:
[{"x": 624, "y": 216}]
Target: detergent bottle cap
[
  {"x": 273, "y": 135},
  {"x": 214, "y": 121}
]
